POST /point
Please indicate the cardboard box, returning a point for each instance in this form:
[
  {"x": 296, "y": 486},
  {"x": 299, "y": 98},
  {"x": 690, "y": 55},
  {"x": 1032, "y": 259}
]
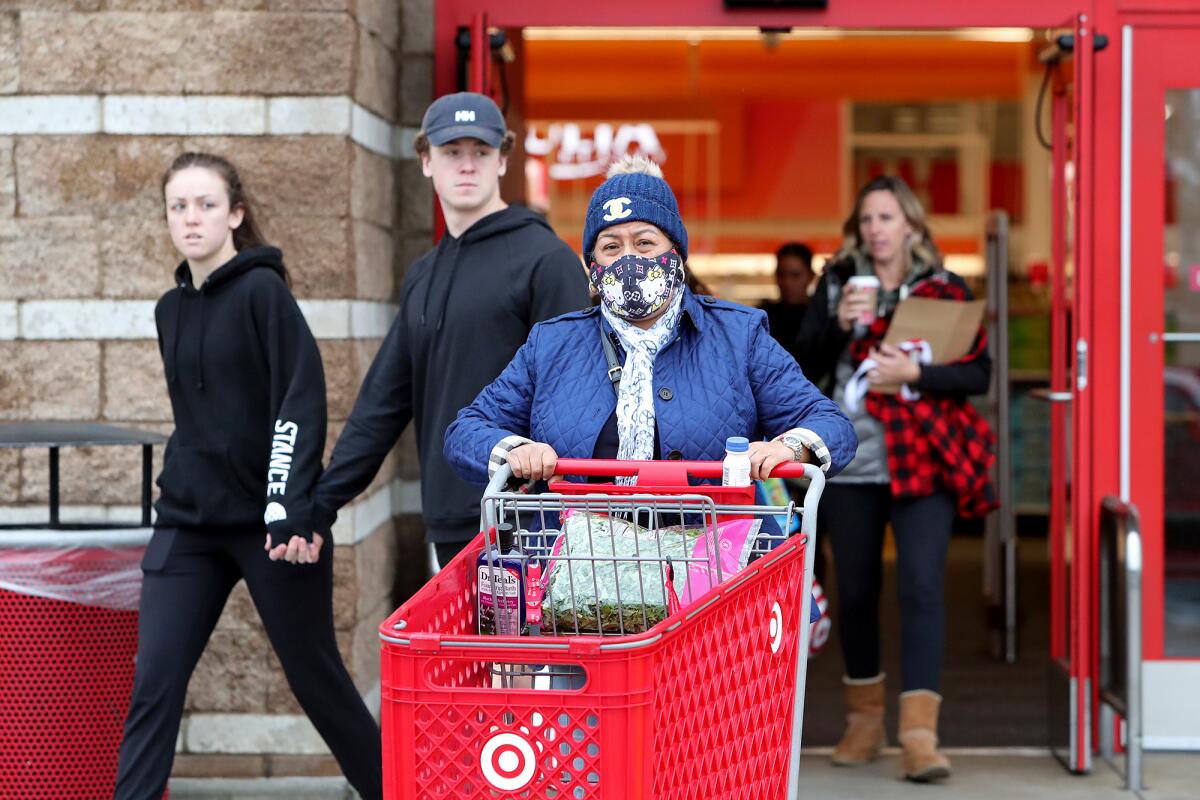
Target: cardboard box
[{"x": 950, "y": 327}]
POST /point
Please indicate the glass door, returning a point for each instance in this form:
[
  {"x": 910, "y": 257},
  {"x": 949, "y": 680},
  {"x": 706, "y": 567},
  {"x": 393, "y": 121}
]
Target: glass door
[{"x": 1161, "y": 416}]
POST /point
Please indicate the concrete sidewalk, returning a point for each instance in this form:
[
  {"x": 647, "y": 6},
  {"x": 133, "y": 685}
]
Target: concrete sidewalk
[
  {"x": 261, "y": 789},
  {"x": 976, "y": 777},
  {"x": 1000, "y": 777}
]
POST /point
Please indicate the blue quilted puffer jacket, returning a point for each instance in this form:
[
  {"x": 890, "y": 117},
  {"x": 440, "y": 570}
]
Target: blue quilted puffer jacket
[{"x": 721, "y": 375}]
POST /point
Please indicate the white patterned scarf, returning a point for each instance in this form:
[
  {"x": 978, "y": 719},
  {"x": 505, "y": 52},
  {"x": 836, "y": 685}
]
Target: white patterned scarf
[{"x": 635, "y": 396}]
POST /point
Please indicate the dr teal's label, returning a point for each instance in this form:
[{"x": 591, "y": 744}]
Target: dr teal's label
[{"x": 499, "y": 599}]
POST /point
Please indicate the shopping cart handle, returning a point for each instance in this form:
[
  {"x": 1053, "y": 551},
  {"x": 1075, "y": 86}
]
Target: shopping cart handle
[
  {"x": 663, "y": 473},
  {"x": 649, "y": 473}
]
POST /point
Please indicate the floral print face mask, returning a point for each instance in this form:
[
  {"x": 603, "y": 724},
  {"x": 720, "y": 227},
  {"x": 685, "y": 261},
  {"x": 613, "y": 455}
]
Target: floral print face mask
[{"x": 635, "y": 287}]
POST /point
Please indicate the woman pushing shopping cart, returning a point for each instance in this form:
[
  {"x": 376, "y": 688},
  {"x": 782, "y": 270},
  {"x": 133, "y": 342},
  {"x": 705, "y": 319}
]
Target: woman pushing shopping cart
[
  {"x": 656, "y": 653},
  {"x": 661, "y": 653}
]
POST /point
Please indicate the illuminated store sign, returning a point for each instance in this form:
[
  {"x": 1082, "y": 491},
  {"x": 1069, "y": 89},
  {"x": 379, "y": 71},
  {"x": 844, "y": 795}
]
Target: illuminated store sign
[{"x": 572, "y": 156}]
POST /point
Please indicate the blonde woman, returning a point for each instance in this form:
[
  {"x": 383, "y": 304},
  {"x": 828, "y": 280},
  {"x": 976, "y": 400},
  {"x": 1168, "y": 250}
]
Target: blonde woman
[{"x": 922, "y": 459}]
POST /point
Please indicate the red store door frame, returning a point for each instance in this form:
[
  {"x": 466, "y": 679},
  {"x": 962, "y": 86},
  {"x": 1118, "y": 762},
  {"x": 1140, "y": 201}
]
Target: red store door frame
[{"x": 1072, "y": 668}]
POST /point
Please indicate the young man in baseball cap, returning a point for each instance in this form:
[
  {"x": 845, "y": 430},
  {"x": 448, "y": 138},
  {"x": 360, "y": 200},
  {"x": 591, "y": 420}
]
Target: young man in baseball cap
[{"x": 465, "y": 308}]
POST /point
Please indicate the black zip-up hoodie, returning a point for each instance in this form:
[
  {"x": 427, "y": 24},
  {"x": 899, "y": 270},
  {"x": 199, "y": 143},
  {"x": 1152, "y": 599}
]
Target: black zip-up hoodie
[
  {"x": 248, "y": 393},
  {"x": 466, "y": 306}
]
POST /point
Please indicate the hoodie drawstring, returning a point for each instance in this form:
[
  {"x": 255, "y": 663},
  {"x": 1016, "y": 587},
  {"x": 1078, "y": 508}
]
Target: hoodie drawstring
[
  {"x": 175, "y": 334},
  {"x": 266, "y": 257},
  {"x": 449, "y": 289},
  {"x": 442, "y": 263},
  {"x": 510, "y": 218},
  {"x": 200, "y": 345}
]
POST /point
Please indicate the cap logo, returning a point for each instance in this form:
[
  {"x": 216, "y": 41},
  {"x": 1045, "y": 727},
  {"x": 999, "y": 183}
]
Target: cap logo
[
  {"x": 617, "y": 208},
  {"x": 464, "y": 116}
]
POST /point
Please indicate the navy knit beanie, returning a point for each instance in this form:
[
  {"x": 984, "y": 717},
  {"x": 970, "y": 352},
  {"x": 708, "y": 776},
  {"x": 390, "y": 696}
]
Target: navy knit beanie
[{"x": 631, "y": 197}]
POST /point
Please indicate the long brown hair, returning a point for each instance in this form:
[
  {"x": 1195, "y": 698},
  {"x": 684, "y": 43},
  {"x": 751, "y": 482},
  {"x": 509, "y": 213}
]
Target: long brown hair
[
  {"x": 920, "y": 244},
  {"x": 246, "y": 235}
]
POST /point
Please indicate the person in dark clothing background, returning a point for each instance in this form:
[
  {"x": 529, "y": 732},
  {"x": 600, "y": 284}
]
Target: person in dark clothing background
[
  {"x": 247, "y": 392},
  {"x": 466, "y": 306},
  {"x": 793, "y": 276}
]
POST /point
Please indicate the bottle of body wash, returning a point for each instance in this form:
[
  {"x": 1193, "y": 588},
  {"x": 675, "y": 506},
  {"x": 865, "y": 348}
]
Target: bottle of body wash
[{"x": 500, "y": 576}]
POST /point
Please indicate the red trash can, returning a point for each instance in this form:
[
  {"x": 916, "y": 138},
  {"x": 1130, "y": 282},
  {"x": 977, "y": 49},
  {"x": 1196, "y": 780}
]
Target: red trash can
[{"x": 68, "y": 638}]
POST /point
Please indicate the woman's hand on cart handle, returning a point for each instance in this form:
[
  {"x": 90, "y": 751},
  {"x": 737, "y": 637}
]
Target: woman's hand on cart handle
[
  {"x": 766, "y": 456},
  {"x": 533, "y": 461},
  {"x": 296, "y": 550}
]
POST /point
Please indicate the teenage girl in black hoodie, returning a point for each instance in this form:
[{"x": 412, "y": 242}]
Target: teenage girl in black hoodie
[{"x": 248, "y": 395}]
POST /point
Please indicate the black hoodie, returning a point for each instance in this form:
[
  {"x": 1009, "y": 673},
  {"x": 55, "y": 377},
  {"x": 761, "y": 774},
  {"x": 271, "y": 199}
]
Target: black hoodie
[
  {"x": 465, "y": 308},
  {"x": 248, "y": 393}
]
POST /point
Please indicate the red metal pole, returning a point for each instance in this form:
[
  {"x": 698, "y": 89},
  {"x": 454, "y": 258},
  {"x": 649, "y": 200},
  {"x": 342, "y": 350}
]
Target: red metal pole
[
  {"x": 479, "y": 68},
  {"x": 1059, "y": 342},
  {"x": 1083, "y": 527}
]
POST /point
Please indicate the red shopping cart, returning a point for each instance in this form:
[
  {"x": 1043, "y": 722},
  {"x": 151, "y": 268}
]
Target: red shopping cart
[{"x": 644, "y": 702}]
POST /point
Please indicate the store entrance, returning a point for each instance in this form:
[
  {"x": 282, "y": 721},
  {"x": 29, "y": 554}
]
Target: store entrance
[
  {"x": 765, "y": 134},
  {"x": 765, "y": 137}
]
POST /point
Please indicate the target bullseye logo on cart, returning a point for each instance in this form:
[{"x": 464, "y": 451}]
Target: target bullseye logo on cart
[
  {"x": 776, "y": 628},
  {"x": 508, "y": 761}
]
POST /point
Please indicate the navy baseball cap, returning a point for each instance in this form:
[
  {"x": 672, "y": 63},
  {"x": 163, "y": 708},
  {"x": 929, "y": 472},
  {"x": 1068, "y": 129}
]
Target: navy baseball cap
[{"x": 463, "y": 115}]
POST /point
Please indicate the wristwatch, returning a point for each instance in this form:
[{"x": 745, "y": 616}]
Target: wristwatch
[{"x": 796, "y": 444}]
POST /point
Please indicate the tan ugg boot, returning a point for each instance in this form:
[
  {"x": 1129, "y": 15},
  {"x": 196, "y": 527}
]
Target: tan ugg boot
[
  {"x": 864, "y": 735},
  {"x": 919, "y": 757}
]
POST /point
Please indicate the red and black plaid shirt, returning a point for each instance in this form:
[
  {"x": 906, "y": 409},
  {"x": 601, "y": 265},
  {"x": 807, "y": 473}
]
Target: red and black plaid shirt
[{"x": 937, "y": 441}]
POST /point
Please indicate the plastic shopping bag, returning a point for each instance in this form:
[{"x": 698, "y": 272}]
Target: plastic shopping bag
[{"x": 606, "y": 575}]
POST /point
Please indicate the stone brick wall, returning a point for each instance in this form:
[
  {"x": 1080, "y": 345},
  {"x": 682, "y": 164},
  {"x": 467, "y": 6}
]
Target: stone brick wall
[{"x": 316, "y": 102}]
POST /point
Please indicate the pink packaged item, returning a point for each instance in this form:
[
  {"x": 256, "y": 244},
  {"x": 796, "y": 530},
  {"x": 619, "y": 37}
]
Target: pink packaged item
[{"x": 735, "y": 539}]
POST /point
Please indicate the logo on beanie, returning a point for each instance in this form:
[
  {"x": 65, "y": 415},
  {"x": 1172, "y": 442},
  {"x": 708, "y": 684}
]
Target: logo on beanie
[
  {"x": 464, "y": 116},
  {"x": 616, "y": 208}
]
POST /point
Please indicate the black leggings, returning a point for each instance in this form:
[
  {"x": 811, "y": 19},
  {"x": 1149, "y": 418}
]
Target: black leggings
[
  {"x": 188, "y": 576},
  {"x": 854, "y": 517}
]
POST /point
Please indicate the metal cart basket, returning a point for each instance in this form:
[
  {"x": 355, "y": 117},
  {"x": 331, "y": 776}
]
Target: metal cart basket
[{"x": 705, "y": 702}]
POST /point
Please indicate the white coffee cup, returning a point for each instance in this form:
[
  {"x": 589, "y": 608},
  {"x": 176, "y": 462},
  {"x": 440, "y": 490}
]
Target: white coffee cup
[{"x": 869, "y": 284}]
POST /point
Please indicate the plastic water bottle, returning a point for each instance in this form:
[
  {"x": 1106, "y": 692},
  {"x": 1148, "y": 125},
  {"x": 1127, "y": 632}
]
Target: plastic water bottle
[{"x": 735, "y": 470}]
